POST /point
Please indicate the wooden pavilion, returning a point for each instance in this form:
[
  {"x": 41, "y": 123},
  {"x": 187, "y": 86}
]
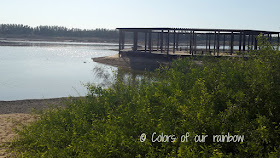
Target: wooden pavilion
[{"x": 191, "y": 41}]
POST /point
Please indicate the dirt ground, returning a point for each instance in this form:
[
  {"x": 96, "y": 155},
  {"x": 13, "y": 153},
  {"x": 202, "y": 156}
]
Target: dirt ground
[
  {"x": 13, "y": 114},
  {"x": 8, "y": 122}
]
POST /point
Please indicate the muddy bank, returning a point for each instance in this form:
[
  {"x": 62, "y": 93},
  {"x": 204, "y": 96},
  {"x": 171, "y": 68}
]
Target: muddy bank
[
  {"x": 26, "y": 106},
  {"x": 140, "y": 63}
]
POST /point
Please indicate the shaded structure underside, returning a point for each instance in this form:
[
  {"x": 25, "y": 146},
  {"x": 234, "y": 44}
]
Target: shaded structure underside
[{"x": 191, "y": 41}]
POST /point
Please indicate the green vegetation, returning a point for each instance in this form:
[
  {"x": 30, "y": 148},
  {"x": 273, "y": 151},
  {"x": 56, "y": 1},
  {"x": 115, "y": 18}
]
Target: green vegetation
[{"x": 221, "y": 96}]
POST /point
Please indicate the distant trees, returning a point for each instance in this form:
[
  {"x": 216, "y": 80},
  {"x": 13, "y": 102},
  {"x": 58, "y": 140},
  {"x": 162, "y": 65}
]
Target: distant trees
[{"x": 55, "y": 31}]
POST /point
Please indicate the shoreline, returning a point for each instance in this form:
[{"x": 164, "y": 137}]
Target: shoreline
[
  {"x": 135, "y": 63},
  {"x": 46, "y": 42},
  {"x": 58, "y": 39},
  {"x": 26, "y": 106}
]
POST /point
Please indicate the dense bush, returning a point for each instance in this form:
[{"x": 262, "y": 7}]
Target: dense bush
[{"x": 223, "y": 95}]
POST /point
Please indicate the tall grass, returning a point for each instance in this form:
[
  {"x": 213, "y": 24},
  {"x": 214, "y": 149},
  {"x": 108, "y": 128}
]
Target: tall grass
[{"x": 222, "y": 96}]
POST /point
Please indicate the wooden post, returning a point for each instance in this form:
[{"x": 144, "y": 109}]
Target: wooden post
[
  {"x": 194, "y": 41},
  {"x": 157, "y": 41},
  {"x": 150, "y": 42},
  {"x": 224, "y": 46},
  {"x": 191, "y": 43},
  {"x": 168, "y": 42},
  {"x": 161, "y": 41},
  {"x": 206, "y": 42},
  {"x": 120, "y": 42},
  {"x": 244, "y": 41},
  {"x": 256, "y": 43},
  {"x": 240, "y": 39},
  {"x": 210, "y": 44},
  {"x": 215, "y": 43},
  {"x": 187, "y": 46},
  {"x": 145, "y": 42},
  {"x": 252, "y": 41},
  {"x": 218, "y": 46},
  {"x": 135, "y": 42},
  {"x": 231, "y": 43},
  {"x": 123, "y": 39},
  {"x": 278, "y": 39},
  {"x": 177, "y": 41},
  {"x": 249, "y": 37},
  {"x": 174, "y": 41}
]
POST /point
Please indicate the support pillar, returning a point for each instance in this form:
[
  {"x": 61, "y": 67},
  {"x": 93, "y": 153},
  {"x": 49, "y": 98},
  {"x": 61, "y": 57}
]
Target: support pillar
[
  {"x": 244, "y": 41},
  {"x": 278, "y": 39},
  {"x": 206, "y": 42},
  {"x": 150, "y": 42},
  {"x": 123, "y": 39},
  {"x": 168, "y": 42},
  {"x": 174, "y": 41},
  {"x": 157, "y": 41},
  {"x": 224, "y": 46},
  {"x": 191, "y": 52},
  {"x": 252, "y": 41},
  {"x": 161, "y": 41},
  {"x": 194, "y": 41},
  {"x": 231, "y": 43},
  {"x": 145, "y": 42},
  {"x": 177, "y": 41},
  {"x": 240, "y": 41},
  {"x": 256, "y": 43},
  {"x": 249, "y": 37},
  {"x": 215, "y": 43},
  {"x": 218, "y": 42},
  {"x": 120, "y": 42},
  {"x": 135, "y": 41},
  {"x": 210, "y": 44}
]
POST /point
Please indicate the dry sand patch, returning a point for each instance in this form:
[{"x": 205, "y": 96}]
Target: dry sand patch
[{"x": 8, "y": 122}]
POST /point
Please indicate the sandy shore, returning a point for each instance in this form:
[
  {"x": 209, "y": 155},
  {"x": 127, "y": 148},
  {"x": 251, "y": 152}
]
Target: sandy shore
[
  {"x": 26, "y": 106},
  {"x": 139, "y": 63},
  {"x": 9, "y": 122},
  {"x": 14, "y": 113}
]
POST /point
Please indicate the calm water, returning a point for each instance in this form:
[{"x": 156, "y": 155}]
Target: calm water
[{"x": 50, "y": 71}]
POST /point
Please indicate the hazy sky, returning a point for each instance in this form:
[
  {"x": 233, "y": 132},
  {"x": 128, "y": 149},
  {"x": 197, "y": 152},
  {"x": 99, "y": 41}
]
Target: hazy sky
[{"x": 224, "y": 14}]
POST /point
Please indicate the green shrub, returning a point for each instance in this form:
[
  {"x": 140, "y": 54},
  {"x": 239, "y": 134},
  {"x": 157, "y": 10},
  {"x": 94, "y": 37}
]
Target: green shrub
[{"x": 221, "y": 96}]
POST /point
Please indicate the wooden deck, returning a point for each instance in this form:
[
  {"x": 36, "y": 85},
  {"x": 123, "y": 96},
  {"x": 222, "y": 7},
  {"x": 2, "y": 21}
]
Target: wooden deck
[{"x": 182, "y": 53}]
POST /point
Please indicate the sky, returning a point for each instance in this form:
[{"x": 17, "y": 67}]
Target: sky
[{"x": 111, "y": 14}]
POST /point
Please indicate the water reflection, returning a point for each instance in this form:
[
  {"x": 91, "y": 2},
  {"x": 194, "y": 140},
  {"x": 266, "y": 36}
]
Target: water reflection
[{"x": 49, "y": 72}]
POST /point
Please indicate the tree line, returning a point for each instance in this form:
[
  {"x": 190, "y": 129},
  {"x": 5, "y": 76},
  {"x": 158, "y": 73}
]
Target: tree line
[{"x": 55, "y": 31}]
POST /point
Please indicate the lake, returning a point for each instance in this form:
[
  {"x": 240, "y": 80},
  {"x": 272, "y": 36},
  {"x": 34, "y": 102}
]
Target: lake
[{"x": 50, "y": 69}]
